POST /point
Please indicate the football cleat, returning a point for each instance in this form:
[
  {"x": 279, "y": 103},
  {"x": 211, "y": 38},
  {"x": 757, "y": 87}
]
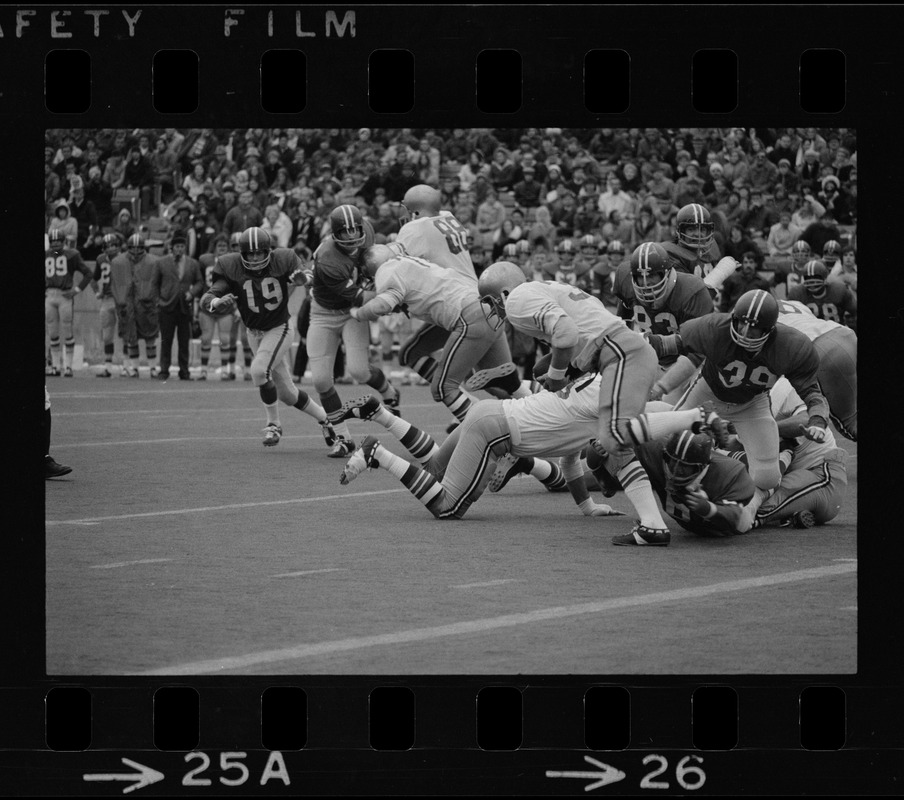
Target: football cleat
[
  {"x": 104, "y": 373},
  {"x": 362, "y": 459},
  {"x": 67, "y": 373},
  {"x": 489, "y": 377},
  {"x": 803, "y": 519},
  {"x": 329, "y": 435},
  {"x": 393, "y": 403},
  {"x": 716, "y": 426},
  {"x": 362, "y": 408},
  {"x": 642, "y": 535},
  {"x": 506, "y": 468},
  {"x": 53, "y": 372},
  {"x": 202, "y": 375},
  {"x": 54, "y": 470},
  {"x": 342, "y": 449},
  {"x": 227, "y": 376},
  {"x": 272, "y": 435}
]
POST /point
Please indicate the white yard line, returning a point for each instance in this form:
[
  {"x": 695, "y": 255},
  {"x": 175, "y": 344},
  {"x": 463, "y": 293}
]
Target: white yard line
[
  {"x": 485, "y": 583},
  {"x": 478, "y": 626},
  {"x": 130, "y": 563},
  {"x": 308, "y": 572},
  {"x": 213, "y": 509}
]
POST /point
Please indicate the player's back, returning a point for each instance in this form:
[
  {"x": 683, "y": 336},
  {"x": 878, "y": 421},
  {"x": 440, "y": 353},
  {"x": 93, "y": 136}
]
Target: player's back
[
  {"x": 431, "y": 293},
  {"x": 442, "y": 240},
  {"x": 795, "y": 314}
]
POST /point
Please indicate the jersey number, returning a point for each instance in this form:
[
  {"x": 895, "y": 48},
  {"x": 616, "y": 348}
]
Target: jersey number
[
  {"x": 734, "y": 374},
  {"x": 269, "y": 294},
  {"x": 643, "y": 323},
  {"x": 55, "y": 267},
  {"x": 454, "y": 232},
  {"x": 829, "y": 311},
  {"x": 104, "y": 274}
]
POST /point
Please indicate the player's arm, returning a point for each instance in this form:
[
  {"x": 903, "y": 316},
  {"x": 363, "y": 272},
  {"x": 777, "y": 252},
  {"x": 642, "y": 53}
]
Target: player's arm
[
  {"x": 724, "y": 516},
  {"x": 383, "y": 303},
  {"x": 573, "y": 470},
  {"x": 679, "y": 373},
  {"x": 218, "y": 296},
  {"x": 338, "y": 281},
  {"x": 563, "y": 340},
  {"x": 803, "y": 378}
]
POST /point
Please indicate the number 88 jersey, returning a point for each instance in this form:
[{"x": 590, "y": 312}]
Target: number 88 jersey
[
  {"x": 262, "y": 298},
  {"x": 736, "y": 375},
  {"x": 442, "y": 240}
]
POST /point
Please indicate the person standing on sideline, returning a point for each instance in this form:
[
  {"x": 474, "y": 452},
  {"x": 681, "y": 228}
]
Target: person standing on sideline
[
  {"x": 60, "y": 265},
  {"x": 179, "y": 283}
]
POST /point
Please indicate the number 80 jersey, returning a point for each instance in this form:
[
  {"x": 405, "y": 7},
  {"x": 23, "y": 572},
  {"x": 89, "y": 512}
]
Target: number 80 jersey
[
  {"x": 736, "y": 375},
  {"x": 263, "y": 299},
  {"x": 442, "y": 240}
]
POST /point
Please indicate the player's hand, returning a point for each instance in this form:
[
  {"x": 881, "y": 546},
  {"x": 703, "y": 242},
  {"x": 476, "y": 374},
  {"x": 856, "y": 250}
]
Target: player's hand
[
  {"x": 69, "y": 293},
  {"x": 697, "y": 501},
  {"x": 655, "y": 341},
  {"x": 224, "y": 303},
  {"x": 728, "y": 261},
  {"x": 657, "y": 391},
  {"x": 301, "y": 277},
  {"x": 353, "y": 311},
  {"x": 592, "y": 509},
  {"x": 554, "y": 384},
  {"x": 814, "y": 433}
]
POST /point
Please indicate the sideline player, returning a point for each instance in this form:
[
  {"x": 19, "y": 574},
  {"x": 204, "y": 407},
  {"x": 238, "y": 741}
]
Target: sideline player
[
  {"x": 102, "y": 266},
  {"x": 338, "y": 287},
  {"x": 743, "y": 353},
  {"x": 829, "y": 300},
  {"x": 583, "y": 334},
  {"x": 60, "y": 265},
  {"x": 655, "y": 299},
  {"x": 52, "y": 469},
  {"x": 836, "y": 346},
  {"x": 258, "y": 281},
  {"x": 222, "y": 322}
]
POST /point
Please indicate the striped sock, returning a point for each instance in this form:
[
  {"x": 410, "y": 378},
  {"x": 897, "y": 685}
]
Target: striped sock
[
  {"x": 421, "y": 484},
  {"x": 425, "y": 367},
  {"x": 458, "y": 404},
  {"x": 332, "y": 405},
  {"x": 636, "y": 484},
  {"x": 306, "y": 404}
]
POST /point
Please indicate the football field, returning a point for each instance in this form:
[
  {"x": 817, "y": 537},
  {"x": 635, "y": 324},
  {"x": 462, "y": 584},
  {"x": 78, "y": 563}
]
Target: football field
[{"x": 180, "y": 545}]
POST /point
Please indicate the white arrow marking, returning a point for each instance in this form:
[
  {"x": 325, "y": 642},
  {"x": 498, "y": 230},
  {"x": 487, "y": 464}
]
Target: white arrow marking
[
  {"x": 145, "y": 776},
  {"x": 608, "y": 775}
]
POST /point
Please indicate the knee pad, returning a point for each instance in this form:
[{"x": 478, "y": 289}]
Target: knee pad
[
  {"x": 765, "y": 476},
  {"x": 259, "y": 374}
]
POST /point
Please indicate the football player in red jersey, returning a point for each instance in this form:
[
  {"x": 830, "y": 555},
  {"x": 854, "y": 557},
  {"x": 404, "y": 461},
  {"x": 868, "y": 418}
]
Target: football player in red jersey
[
  {"x": 60, "y": 265},
  {"x": 655, "y": 298},
  {"x": 259, "y": 282},
  {"x": 338, "y": 286},
  {"x": 695, "y": 250},
  {"x": 101, "y": 280},
  {"x": 743, "y": 354},
  {"x": 703, "y": 491},
  {"x": 832, "y": 301},
  {"x": 221, "y": 321}
]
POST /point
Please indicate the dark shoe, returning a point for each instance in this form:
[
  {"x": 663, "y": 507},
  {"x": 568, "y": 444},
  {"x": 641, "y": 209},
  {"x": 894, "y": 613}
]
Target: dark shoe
[
  {"x": 163, "y": 376},
  {"x": 490, "y": 377},
  {"x": 362, "y": 408},
  {"x": 361, "y": 459},
  {"x": 342, "y": 449},
  {"x": 803, "y": 519},
  {"x": 104, "y": 373},
  {"x": 393, "y": 403},
  {"x": 641, "y": 535},
  {"x": 185, "y": 376},
  {"x": 506, "y": 468},
  {"x": 54, "y": 470}
]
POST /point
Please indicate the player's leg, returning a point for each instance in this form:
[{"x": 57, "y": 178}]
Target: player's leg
[
  {"x": 107, "y": 315},
  {"x": 67, "y": 312},
  {"x": 356, "y": 337},
  {"x": 52, "y": 299},
  {"x": 286, "y": 390},
  {"x": 208, "y": 324},
  {"x": 416, "y": 352},
  {"x": 247, "y": 351},
  {"x": 757, "y": 431},
  {"x": 807, "y": 496},
  {"x": 464, "y": 348},
  {"x": 498, "y": 355},
  {"x": 324, "y": 337},
  {"x": 628, "y": 374},
  {"x": 837, "y": 375},
  {"x": 261, "y": 365},
  {"x": 167, "y": 333},
  {"x": 225, "y": 325}
]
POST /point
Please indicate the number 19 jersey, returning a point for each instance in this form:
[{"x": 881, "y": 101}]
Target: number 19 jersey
[
  {"x": 442, "y": 240},
  {"x": 263, "y": 299}
]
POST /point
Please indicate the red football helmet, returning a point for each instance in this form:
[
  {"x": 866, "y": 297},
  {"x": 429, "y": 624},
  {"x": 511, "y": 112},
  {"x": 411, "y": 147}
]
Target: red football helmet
[
  {"x": 254, "y": 245},
  {"x": 347, "y": 226},
  {"x": 137, "y": 246},
  {"x": 686, "y": 458},
  {"x": 753, "y": 319},
  {"x": 800, "y": 255},
  {"x": 651, "y": 274},
  {"x": 815, "y": 275},
  {"x": 831, "y": 252},
  {"x": 57, "y": 240},
  {"x": 565, "y": 250},
  {"x": 694, "y": 227}
]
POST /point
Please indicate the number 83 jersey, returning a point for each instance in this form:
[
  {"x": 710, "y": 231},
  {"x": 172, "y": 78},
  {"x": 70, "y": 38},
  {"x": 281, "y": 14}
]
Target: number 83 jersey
[
  {"x": 262, "y": 298},
  {"x": 736, "y": 375}
]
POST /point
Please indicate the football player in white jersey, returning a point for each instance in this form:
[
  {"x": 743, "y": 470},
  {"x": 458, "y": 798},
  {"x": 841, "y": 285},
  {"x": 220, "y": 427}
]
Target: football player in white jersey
[
  {"x": 449, "y": 301},
  {"x": 836, "y": 346},
  {"x": 586, "y": 336}
]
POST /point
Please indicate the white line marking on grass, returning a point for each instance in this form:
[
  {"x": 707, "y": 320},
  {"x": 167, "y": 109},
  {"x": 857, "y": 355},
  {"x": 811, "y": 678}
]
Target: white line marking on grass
[
  {"x": 211, "y": 509},
  {"x": 845, "y": 559},
  {"x": 485, "y": 583},
  {"x": 130, "y": 563},
  {"x": 848, "y": 608},
  {"x": 182, "y": 439},
  {"x": 308, "y": 572},
  {"x": 477, "y": 626}
]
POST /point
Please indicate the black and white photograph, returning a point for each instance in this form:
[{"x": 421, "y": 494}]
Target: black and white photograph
[{"x": 451, "y": 400}]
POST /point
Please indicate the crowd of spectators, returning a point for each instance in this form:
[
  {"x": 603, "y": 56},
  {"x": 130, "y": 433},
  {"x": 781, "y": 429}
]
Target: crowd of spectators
[{"x": 765, "y": 187}]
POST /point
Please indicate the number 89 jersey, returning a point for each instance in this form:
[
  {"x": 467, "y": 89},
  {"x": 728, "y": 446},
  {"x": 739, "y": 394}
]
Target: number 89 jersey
[
  {"x": 736, "y": 375},
  {"x": 442, "y": 240},
  {"x": 688, "y": 299},
  {"x": 263, "y": 299}
]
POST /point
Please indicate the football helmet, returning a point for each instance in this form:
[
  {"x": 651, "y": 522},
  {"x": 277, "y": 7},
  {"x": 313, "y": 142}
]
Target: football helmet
[
  {"x": 686, "y": 459},
  {"x": 111, "y": 244},
  {"x": 800, "y": 255},
  {"x": 57, "y": 240},
  {"x": 753, "y": 319},
  {"x": 347, "y": 227},
  {"x": 510, "y": 250},
  {"x": 254, "y": 246},
  {"x": 651, "y": 274},
  {"x": 615, "y": 248},
  {"x": 694, "y": 227},
  {"x": 137, "y": 246},
  {"x": 494, "y": 285},
  {"x": 421, "y": 201},
  {"x": 565, "y": 249},
  {"x": 588, "y": 245},
  {"x": 374, "y": 257},
  {"x": 815, "y": 275},
  {"x": 831, "y": 252},
  {"x": 234, "y": 240},
  {"x": 524, "y": 246}
]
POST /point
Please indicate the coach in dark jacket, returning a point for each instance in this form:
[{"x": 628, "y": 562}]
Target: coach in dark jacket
[{"x": 180, "y": 282}]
